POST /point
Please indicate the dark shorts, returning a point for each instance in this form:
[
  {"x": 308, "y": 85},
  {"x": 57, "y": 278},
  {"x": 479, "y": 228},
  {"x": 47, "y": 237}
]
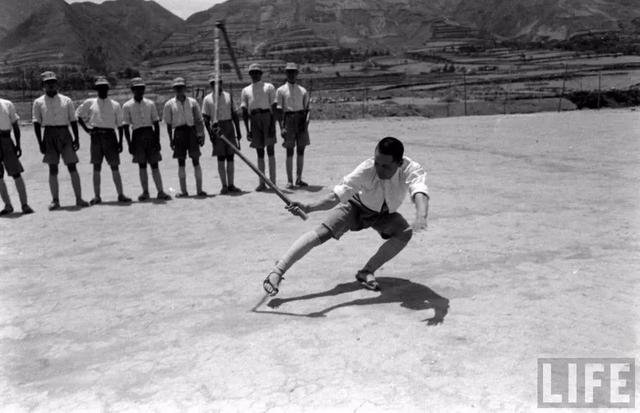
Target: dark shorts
[
  {"x": 296, "y": 125},
  {"x": 220, "y": 148},
  {"x": 186, "y": 141},
  {"x": 354, "y": 217},
  {"x": 104, "y": 145},
  {"x": 8, "y": 158},
  {"x": 58, "y": 143},
  {"x": 263, "y": 130},
  {"x": 145, "y": 146}
]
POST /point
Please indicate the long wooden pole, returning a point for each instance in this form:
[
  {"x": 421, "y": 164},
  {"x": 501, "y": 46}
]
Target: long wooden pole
[{"x": 216, "y": 91}]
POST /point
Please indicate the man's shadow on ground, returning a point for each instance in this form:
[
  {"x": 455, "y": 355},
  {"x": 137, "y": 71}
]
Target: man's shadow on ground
[{"x": 408, "y": 294}]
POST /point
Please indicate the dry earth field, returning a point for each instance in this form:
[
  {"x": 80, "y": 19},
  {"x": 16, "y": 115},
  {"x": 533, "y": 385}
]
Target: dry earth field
[{"x": 533, "y": 243}]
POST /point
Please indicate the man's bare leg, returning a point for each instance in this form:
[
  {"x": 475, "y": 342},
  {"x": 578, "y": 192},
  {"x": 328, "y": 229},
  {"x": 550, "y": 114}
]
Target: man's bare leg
[
  {"x": 388, "y": 250},
  {"x": 298, "y": 249}
]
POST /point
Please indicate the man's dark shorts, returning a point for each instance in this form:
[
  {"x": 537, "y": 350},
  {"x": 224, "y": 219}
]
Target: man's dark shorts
[
  {"x": 104, "y": 145},
  {"x": 355, "y": 217},
  {"x": 58, "y": 142},
  {"x": 263, "y": 131},
  {"x": 220, "y": 148},
  {"x": 145, "y": 146},
  {"x": 296, "y": 125},
  {"x": 8, "y": 158},
  {"x": 185, "y": 141}
]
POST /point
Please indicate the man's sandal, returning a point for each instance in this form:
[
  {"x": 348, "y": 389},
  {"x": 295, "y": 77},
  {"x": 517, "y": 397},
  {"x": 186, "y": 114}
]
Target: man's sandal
[
  {"x": 268, "y": 285},
  {"x": 367, "y": 280}
]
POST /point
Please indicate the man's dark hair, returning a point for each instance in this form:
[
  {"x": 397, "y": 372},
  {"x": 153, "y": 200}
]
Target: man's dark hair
[{"x": 391, "y": 146}]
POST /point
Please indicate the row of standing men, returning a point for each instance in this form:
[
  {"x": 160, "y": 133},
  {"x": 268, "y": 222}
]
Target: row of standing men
[{"x": 137, "y": 121}]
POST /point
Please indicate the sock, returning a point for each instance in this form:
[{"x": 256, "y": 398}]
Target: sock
[
  {"x": 157, "y": 179},
  {"x": 272, "y": 169},
  {"x": 299, "y": 249},
  {"x": 96, "y": 183},
  {"x": 182, "y": 177},
  {"x": 261, "y": 168},
  {"x": 144, "y": 180},
  {"x": 53, "y": 186},
  {"x": 230, "y": 173},
  {"x": 222, "y": 172},
  {"x": 198, "y": 174},
  {"x": 22, "y": 191},
  {"x": 289, "y": 164},
  {"x": 4, "y": 194},
  {"x": 75, "y": 183},
  {"x": 117, "y": 180},
  {"x": 299, "y": 166},
  {"x": 387, "y": 251}
]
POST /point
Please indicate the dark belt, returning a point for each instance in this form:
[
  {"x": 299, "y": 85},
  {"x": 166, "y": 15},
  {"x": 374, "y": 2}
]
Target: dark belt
[
  {"x": 56, "y": 126},
  {"x": 183, "y": 127},
  {"x": 5, "y": 133},
  {"x": 293, "y": 112},
  {"x": 102, "y": 130},
  {"x": 254, "y": 111}
]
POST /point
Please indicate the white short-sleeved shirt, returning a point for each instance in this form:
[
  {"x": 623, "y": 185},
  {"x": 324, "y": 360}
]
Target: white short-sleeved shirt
[
  {"x": 259, "y": 95},
  {"x": 100, "y": 113},
  {"x": 54, "y": 111},
  {"x": 292, "y": 97},
  {"x": 364, "y": 186},
  {"x": 176, "y": 113},
  {"x": 225, "y": 106},
  {"x": 141, "y": 114},
  {"x": 8, "y": 115}
]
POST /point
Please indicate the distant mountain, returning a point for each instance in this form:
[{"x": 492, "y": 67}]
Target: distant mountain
[
  {"x": 116, "y": 33},
  {"x": 273, "y": 28},
  {"x": 122, "y": 33},
  {"x": 545, "y": 19},
  {"x": 14, "y": 12}
]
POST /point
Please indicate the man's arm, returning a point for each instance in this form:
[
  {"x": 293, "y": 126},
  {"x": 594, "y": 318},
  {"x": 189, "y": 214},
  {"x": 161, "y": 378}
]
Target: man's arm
[
  {"x": 170, "y": 133},
  {"x": 16, "y": 135},
  {"x": 245, "y": 118},
  {"x": 120, "y": 135},
  {"x": 76, "y": 135},
  {"x": 421, "y": 201},
  {"x": 37, "y": 128},
  {"x": 207, "y": 125},
  {"x": 328, "y": 202},
  {"x": 156, "y": 133}
]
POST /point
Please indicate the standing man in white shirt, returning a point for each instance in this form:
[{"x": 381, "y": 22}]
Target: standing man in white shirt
[
  {"x": 55, "y": 112},
  {"x": 186, "y": 134},
  {"x": 229, "y": 126},
  {"x": 9, "y": 154},
  {"x": 100, "y": 117},
  {"x": 141, "y": 115},
  {"x": 368, "y": 197},
  {"x": 293, "y": 106},
  {"x": 258, "y": 103}
]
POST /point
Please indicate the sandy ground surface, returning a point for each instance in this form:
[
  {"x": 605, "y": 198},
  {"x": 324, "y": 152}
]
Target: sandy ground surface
[{"x": 533, "y": 244}]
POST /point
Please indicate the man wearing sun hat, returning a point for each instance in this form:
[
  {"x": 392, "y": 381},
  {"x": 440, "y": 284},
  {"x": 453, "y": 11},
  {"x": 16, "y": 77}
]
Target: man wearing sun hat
[
  {"x": 141, "y": 115},
  {"x": 293, "y": 106},
  {"x": 186, "y": 134},
  {"x": 258, "y": 102},
  {"x": 228, "y": 124},
  {"x": 56, "y": 112},
  {"x": 100, "y": 117}
]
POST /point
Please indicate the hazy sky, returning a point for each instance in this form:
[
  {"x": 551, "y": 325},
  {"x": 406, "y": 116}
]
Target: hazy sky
[{"x": 182, "y": 8}]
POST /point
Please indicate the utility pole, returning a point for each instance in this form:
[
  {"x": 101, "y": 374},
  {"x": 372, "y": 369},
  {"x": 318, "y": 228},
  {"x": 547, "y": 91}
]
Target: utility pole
[
  {"x": 464, "y": 81},
  {"x": 599, "y": 87},
  {"x": 564, "y": 83}
]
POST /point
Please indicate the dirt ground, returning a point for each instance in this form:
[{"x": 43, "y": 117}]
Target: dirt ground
[{"x": 532, "y": 251}]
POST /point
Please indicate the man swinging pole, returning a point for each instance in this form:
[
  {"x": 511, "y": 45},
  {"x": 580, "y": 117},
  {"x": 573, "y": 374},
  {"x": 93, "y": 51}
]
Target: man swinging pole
[
  {"x": 368, "y": 197},
  {"x": 217, "y": 132}
]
